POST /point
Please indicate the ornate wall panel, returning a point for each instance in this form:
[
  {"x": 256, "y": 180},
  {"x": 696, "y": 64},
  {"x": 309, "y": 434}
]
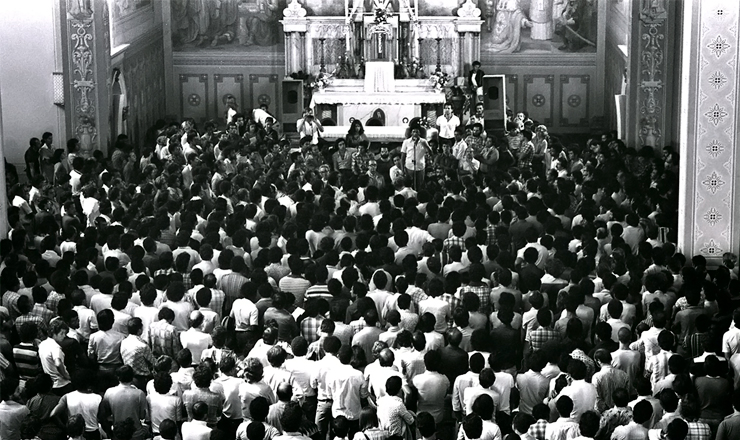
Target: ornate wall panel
[
  {"x": 574, "y": 100},
  {"x": 512, "y": 91},
  {"x": 194, "y": 97},
  {"x": 263, "y": 89},
  {"x": 709, "y": 180},
  {"x": 539, "y": 97},
  {"x": 226, "y": 85},
  {"x": 717, "y": 125}
]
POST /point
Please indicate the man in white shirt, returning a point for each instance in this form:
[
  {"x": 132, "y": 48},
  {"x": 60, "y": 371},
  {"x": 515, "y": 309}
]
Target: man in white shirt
[
  {"x": 582, "y": 393},
  {"x": 414, "y": 151},
  {"x": 320, "y": 381},
  {"x": 347, "y": 389},
  {"x": 446, "y": 123},
  {"x": 197, "y": 429},
  {"x": 52, "y": 357},
  {"x": 565, "y": 427},
  {"x": 194, "y": 339},
  {"x": 309, "y": 127}
]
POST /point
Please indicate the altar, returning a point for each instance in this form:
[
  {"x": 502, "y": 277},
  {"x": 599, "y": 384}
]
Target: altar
[{"x": 397, "y": 108}]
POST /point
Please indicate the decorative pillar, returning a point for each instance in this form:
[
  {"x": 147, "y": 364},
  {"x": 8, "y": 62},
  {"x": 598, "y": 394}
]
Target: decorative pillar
[
  {"x": 709, "y": 196},
  {"x": 652, "y": 49},
  {"x": 295, "y": 26},
  {"x": 467, "y": 25},
  {"x": 86, "y": 33}
]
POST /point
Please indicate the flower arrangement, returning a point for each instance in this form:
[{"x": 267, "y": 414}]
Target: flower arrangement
[
  {"x": 381, "y": 16},
  {"x": 322, "y": 81},
  {"x": 439, "y": 80}
]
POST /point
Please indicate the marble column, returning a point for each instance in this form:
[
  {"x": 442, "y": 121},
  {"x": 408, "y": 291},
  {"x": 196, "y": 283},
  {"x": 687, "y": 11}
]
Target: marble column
[
  {"x": 467, "y": 25},
  {"x": 709, "y": 195},
  {"x": 295, "y": 27},
  {"x": 86, "y": 47}
]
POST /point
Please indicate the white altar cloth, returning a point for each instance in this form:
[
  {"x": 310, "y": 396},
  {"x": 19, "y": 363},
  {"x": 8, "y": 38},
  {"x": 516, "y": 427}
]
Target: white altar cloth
[
  {"x": 350, "y": 98},
  {"x": 379, "y": 77},
  {"x": 393, "y": 134}
]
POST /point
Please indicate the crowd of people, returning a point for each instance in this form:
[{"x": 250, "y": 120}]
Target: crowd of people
[{"x": 463, "y": 285}]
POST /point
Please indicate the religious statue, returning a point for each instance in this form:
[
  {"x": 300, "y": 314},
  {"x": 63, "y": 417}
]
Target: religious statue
[
  {"x": 540, "y": 12},
  {"x": 507, "y": 31},
  {"x": 345, "y": 67}
]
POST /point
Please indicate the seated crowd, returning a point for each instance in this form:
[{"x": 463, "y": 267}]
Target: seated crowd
[{"x": 222, "y": 285}]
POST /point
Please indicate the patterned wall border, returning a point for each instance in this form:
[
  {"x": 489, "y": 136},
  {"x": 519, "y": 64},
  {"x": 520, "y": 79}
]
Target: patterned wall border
[
  {"x": 202, "y": 78},
  {"x": 563, "y": 101},
  {"x": 716, "y": 120},
  {"x": 549, "y": 79}
]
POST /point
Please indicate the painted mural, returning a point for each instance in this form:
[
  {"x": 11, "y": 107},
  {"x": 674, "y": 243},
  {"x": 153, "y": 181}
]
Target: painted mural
[
  {"x": 227, "y": 25},
  {"x": 538, "y": 26}
]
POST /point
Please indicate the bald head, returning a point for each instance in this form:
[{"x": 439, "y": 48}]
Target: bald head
[
  {"x": 284, "y": 392},
  {"x": 386, "y": 357}
]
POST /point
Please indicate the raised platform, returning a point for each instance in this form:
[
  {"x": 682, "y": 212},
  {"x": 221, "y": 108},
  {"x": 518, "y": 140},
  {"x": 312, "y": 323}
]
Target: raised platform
[{"x": 374, "y": 134}]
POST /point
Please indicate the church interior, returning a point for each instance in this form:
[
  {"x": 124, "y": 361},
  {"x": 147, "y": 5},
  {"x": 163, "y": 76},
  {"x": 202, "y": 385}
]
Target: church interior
[{"x": 653, "y": 73}]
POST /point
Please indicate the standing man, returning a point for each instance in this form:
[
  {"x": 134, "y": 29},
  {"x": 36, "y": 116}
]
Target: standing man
[
  {"x": 52, "y": 357},
  {"x": 309, "y": 126},
  {"x": 447, "y": 123},
  {"x": 475, "y": 81},
  {"x": 413, "y": 154}
]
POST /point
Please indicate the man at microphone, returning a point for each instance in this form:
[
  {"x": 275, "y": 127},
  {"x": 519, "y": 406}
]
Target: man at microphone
[{"x": 414, "y": 152}]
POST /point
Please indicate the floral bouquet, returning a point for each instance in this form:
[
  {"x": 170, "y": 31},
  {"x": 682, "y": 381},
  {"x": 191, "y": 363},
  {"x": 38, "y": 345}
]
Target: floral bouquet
[
  {"x": 381, "y": 16},
  {"x": 322, "y": 81},
  {"x": 439, "y": 80}
]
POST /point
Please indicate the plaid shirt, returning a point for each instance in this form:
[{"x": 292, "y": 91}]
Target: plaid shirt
[
  {"x": 215, "y": 402},
  {"x": 163, "y": 339},
  {"x": 542, "y": 335},
  {"x": 52, "y": 302},
  {"x": 218, "y": 299},
  {"x": 10, "y": 302},
  {"x": 39, "y": 321},
  {"x": 448, "y": 244},
  {"x": 526, "y": 153},
  {"x": 42, "y": 312},
  {"x": 417, "y": 295},
  {"x": 310, "y": 328},
  {"x": 698, "y": 431},
  {"x": 137, "y": 354},
  {"x": 537, "y": 429},
  {"x": 491, "y": 235},
  {"x": 484, "y": 294},
  {"x": 186, "y": 281}
]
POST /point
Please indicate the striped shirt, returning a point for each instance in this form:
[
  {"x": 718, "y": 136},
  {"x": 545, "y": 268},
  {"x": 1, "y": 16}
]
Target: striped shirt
[
  {"x": 295, "y": 285},
  {"x": 27, "y": 361}
]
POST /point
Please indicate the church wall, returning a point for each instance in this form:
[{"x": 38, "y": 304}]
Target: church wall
[
  {"x": 30, "y": 53},
  {"x": 133, "y": 19},
  {"x": 203, "y": 82},
  {"x": 561, "y": 97}
]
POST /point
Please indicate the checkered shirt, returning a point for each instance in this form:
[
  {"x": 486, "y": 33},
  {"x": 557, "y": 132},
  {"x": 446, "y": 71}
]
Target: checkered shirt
[
  {"x": 52, "y": 301},
  {"x": 310, "y": 328},
  {"x": 163, "y": 339},
  {"x": 39, "y": 321},
  {"x": 539, "y": 337},
  {"x": 45, "y": 314},
  {"x": 537, "y": 429},
  {"x": 139, "y": 357},
  {"x": 698, "y": 431},
  {"x": 484, "y": 294}
]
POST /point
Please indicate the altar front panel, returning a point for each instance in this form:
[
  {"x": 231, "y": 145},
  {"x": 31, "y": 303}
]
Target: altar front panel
[{"x": 392, "y": 114}]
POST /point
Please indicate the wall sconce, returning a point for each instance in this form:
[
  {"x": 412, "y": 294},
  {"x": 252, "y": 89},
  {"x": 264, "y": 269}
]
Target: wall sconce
[{"x": 58, "y": 84}]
